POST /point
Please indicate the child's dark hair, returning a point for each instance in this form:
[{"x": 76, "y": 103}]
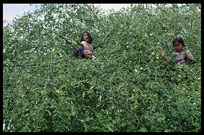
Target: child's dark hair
[
  {"x": 89, "y": 36},
  {"x": 179, "y": 40}
]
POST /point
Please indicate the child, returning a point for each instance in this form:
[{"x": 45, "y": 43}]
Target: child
[
  {"x": 180, "y": 55},
  {"x": 87, "y": 48}
]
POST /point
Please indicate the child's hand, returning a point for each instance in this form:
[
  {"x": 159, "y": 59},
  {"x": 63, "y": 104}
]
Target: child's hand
[
  {"x": 162, "y": 51},
  {"x": 184, "y": 54},
  {"x": 166, "y": 58},
  {"x": 76, "y": 39}
]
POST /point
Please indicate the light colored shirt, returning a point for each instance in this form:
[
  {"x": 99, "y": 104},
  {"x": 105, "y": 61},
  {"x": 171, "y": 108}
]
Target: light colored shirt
[{"x": 87, "y": 46}]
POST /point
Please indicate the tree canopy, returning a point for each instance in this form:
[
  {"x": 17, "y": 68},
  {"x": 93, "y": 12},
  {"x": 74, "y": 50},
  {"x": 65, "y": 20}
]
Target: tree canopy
[{"x": 127, "y": 87}]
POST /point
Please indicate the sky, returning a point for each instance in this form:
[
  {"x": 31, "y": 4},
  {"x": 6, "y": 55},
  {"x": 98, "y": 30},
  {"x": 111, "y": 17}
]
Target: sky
[{"x": 10, "y": 11}]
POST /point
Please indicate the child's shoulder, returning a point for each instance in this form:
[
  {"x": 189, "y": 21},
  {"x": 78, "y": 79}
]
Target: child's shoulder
[
  {"x": 187, "y": 50},
  {"x": 83, "y": 41}
]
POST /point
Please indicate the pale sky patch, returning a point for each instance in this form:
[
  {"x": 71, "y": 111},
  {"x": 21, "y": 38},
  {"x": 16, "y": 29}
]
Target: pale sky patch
[{"x": 10, "y": 11}]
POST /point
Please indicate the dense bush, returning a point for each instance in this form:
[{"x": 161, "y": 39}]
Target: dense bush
[{"x": 127, "y": 86}]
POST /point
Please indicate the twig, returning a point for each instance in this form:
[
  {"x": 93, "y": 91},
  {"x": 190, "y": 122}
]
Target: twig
[
  {"x": 65, "y": 39},
  {"x": 98, "y": 45}
]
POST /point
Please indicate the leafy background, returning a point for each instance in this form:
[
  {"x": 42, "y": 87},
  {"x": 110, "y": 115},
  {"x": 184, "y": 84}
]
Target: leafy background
[{"x": 127, "y": 87}]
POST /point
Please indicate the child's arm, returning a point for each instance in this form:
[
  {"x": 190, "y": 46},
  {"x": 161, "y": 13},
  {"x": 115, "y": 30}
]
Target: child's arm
[
  {"x": 78, "y": 42},
  {"x": 189, "y": 58},
  {"x": 165, "y": 57},
  {"x": 98, "y": 45},
  {"x": 188, "y": 55}
]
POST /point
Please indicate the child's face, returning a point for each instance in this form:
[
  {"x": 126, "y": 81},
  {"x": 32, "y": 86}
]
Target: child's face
[
  {"x": 178, "y": 46},
  {"x": 85, "y": 37}
]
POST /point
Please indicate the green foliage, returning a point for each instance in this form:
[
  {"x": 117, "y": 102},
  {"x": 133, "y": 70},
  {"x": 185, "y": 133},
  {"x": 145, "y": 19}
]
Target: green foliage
[{"x": 128, "y": 87}]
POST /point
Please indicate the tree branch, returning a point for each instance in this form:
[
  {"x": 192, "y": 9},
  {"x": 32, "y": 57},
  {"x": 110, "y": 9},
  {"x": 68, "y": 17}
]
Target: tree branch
[{"x": 98, "y": 45}]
